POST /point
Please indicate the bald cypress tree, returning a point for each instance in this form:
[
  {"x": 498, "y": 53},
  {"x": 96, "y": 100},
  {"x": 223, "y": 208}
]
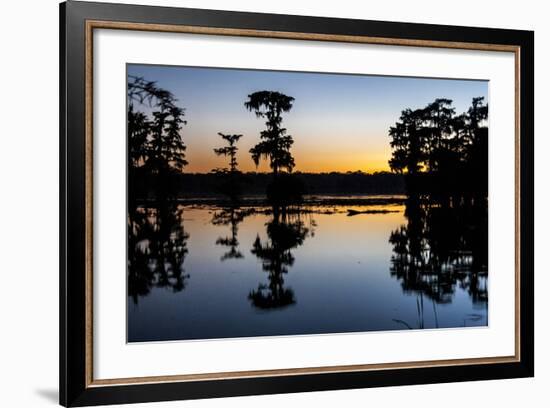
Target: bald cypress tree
[
  {"x": 275, "y": 146},
  {"x": 275, "y": 143},
  {"x": 230, "y": 150}
]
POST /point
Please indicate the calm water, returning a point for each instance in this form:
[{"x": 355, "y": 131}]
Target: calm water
[{"x": 200, "y": 272}]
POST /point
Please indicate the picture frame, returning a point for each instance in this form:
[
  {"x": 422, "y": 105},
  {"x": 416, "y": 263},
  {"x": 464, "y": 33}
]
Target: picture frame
[{"x": 78, "y": 20}]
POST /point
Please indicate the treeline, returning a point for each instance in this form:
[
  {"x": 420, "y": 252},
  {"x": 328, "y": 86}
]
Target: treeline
[
  {"x": 440, "y": 151},
  {"x": 205, "y": 185}
]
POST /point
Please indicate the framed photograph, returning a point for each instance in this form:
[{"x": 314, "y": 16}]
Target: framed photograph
[{"x": 256, "y": 203}]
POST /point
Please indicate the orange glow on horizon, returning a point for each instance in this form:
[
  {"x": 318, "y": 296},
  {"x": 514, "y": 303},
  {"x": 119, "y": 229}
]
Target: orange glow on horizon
[
  {"x": 372, "y": 166},
  {"x": 341, "y": 156}
]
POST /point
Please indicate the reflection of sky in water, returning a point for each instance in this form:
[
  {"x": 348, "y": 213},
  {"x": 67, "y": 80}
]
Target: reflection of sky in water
[{"x": 340, "y": 279}]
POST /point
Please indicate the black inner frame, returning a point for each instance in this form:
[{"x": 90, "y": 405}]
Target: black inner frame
[{"x": 73, "y": 391}]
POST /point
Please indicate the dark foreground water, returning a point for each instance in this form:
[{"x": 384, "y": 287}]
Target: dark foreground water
[{"x": 201, "y": 272}]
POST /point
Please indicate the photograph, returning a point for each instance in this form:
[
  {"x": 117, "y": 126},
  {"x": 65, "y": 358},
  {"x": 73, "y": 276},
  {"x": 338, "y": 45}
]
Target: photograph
[
  {"x": 268, "y": 201},
  {"x": 282, "y": 203}
]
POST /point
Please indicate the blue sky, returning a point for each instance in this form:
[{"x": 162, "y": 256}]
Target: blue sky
[{"x": 339, "y": 122}]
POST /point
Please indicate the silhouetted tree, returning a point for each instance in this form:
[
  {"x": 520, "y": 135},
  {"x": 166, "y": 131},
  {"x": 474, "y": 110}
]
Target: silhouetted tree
[
  {"x": 441, "y": 152},
  {"x": 275, "y": 143},
  {"x": 478, "y": 150},
  {"x": 138, "y": 133},
  {"x": 275, "y": 146},
  {"x": 407, "y": 143},
  {"x": 167, "y": 147},
  {"x": 230, "y": 150},
  {"x": 229, "y": 181},
  {"x": 477, "y": 113},
  {"x": 437, "y": 120},
  {"x": 155, "y": 146},
  {"x": 444, "y": 243}
]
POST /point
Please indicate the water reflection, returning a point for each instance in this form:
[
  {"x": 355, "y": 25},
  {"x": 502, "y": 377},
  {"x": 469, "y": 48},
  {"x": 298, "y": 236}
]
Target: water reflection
[
  {"x": 230, "y": 216},
  {"x": 443, "y": 245},
  {"x": 285, "y": 231},
  {"x": 418, "y": 264},
  {"x": 157, "y": 247}
]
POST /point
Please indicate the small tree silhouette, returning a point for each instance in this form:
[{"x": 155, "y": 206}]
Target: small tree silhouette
[
  {"x": 275, "y": 143},
  {"x": 229, "y": 181},
  {"x": 230, "y": 151}
]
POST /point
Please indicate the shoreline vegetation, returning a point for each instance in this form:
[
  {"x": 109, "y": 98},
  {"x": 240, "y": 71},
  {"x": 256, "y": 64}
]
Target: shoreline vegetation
[{"x": 315, "y": 186}]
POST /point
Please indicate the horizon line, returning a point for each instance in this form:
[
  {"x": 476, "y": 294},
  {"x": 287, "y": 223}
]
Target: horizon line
[{"x": 300, "y": 172}]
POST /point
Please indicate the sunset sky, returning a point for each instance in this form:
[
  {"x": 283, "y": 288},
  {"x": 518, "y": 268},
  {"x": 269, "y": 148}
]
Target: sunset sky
[{"x": 339, "y": 122}]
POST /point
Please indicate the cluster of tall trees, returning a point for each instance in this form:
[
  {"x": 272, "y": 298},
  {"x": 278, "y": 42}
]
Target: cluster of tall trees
[
  {"x": 156, "y": 160},
  {"x": 157, "y": 242},
  {"x": 155, "y": 144},
  {"x": 156, "y": 149},
  {"x": 440, "y": 151},
  {"x": 444, "y": 159}
]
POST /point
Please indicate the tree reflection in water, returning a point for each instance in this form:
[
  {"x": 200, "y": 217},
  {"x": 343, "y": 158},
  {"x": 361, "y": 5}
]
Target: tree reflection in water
[
  {"x": 231, "y": 216},
  {"x": 157, "y": 246},
  {"x": 285, "y": 232},
  {"x": 443, "y": 244}
]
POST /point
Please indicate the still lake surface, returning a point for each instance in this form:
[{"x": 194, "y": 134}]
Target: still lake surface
[{"x": 203, "y": 272}]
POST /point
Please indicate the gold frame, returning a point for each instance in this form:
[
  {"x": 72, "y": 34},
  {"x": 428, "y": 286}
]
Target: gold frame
[{"x": 99, "y": 24}]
